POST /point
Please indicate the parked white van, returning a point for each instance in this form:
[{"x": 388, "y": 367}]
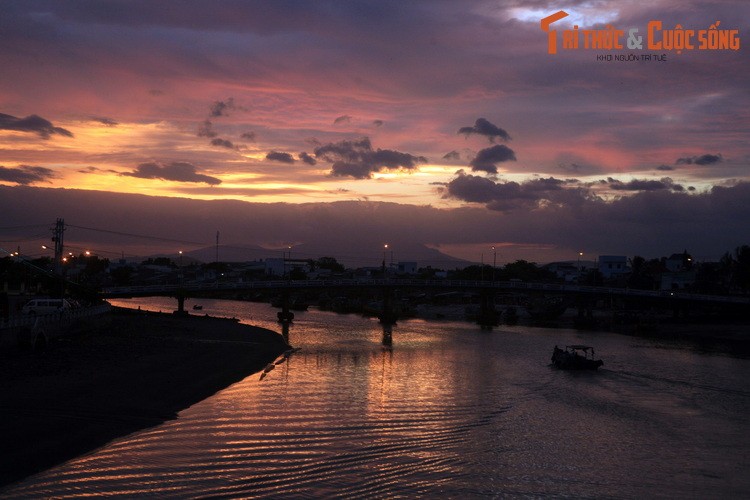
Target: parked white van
[{"x": 45, "y": 306}]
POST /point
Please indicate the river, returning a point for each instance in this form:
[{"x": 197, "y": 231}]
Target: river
[{"x": 444, "y": 409}]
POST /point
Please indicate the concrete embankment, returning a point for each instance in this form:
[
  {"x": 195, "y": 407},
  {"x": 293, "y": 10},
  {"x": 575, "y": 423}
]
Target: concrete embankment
[{"x": 113, "y": 375}]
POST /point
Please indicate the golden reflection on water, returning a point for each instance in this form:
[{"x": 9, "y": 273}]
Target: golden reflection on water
[{"x": 438, "y": 409}]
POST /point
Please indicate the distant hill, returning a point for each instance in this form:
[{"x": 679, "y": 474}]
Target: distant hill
[{"x": 421, "y": 254}]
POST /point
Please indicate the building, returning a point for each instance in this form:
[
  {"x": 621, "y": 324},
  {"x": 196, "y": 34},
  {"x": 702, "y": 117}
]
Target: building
[
  {"x": 406, "y": 268},
  {"x": 612, "y": 266}
]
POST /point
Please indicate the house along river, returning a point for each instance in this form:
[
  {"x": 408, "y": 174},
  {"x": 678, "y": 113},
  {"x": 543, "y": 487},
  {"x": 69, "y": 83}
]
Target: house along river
[{"x": 446, "y": 410}]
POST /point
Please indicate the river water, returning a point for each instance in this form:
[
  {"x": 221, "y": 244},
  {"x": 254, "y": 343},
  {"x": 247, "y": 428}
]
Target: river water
[{"x": 443, "y": 410}]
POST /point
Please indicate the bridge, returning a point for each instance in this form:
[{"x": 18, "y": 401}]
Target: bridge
[
  {"x": 486, "y": 289},
  {"x": 172, "y": 290}
]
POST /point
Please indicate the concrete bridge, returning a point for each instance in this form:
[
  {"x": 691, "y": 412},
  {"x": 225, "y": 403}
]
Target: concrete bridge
[{"x": 486, "y": 289}]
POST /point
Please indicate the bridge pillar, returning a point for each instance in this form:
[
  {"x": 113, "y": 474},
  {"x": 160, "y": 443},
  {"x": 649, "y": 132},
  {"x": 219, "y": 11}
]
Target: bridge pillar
[
  {"x": 388, "y": 316},
  {"x": 180, "y": 303},
  {"x": 285, "y": 315},
  {"x": 387, "y": 335},
  {"x": 488, "y": 317}
]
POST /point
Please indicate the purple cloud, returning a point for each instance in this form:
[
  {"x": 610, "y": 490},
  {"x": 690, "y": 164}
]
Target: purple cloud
[
  {"x": 175, "y": 171},
  {"x": 483, "y": 127},
  {"x": 357, "y": 159},
  {"x": 487, "y": 158},
  {"x": 279, "y": 156},
  {"x": 32, "y": 123},
  {"x": 25, "y": 174}
]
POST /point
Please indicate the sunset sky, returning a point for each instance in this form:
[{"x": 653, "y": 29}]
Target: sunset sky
[{"x": 455, "y": 107}]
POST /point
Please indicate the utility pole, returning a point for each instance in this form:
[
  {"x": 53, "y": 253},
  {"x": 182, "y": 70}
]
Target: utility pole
[{"x": 57, "y": 237}]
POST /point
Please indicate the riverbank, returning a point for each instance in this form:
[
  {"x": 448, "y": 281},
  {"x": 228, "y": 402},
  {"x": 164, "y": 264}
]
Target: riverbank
[{"x": 120, "y": 373}]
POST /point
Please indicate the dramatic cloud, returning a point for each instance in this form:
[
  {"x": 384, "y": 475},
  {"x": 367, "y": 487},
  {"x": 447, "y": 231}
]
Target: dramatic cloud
[
  {"x": 175, "y": 171},
  {"x": 342, "y": 119},
  {"x": 221, "y": 108},
  {"x": 706, "y": 159},
  {"x": 26, "y": 174},
  {"x": 223, "y": 143},
  {"x": 250, "y": 136},
  {"x": 453, "y": 155},
  {"x": 279, "y": 156},
  {"x": 205, "y": 129},
  {"x": 32, "y": 123},
  {"x": 485, "y": 128},
  {"x": 307, "y": 158},
  {"x": 487, "y": 158},
  {"x": 378, "y": 123},
  {"x": 644, "y": 184},
  {"x": 665, "y": 168},
  {"x": 357, "y": 159},
  {"x": 503, "y": 196}
]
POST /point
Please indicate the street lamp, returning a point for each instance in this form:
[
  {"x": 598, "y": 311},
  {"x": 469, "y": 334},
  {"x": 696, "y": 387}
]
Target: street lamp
[
  {"x": 494, "y": 261},
  {"x": 385, "y": 248}
]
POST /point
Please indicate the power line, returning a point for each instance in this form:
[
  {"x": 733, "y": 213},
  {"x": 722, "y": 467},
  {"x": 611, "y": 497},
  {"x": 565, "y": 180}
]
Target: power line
[
  {"x": 12, "y": 228},
  {"x": 27, "y": 238},
  {"x": 143, "y": 236}
]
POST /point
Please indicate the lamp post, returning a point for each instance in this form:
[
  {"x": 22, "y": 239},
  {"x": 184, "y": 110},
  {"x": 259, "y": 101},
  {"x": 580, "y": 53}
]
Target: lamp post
[
  {"x": 179, "y": 274},
  {"x": 291, "y": 266},
  {"x": 385, "y": 248},
  {"x": 494, "y": 262}
]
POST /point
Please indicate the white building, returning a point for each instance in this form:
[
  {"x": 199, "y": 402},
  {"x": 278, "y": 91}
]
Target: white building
[
  {"x": 613, "y": 265},
  {"x": 406, "y": 268}
]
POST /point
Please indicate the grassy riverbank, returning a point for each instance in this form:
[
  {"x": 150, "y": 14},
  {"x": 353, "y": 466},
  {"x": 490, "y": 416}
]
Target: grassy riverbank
[{"x": 112, "y": 376}]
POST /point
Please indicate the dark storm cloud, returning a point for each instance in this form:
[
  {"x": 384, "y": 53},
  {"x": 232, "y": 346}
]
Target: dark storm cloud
[
  {"x": 706, "y": 159},
  {"x": 483, "y": 127},
  {"x": 25, "y": 174},
  {"x": 221, "y": 108},
  {"x": 487, "y": 158},
  {"x": 279, "y": 156},
  {"x": 250, "y": 136},
  {"x": 644, "y": 184},
  {"x": 32, "y": 123},
  {"x": 223, "y": 143},
  {"x": 453, "y": 155},
  {"x": 205, "y": 129},
  {"x": 504, "y": 196},
  {"x": 342, "y": 119},
  {"x": 175, "y": 171},
  {"x": 307, "y": 158},
  {"x": 357, "y": 158}
]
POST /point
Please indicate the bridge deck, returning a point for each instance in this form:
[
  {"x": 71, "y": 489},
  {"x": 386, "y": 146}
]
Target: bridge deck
[{"x": 156, "y": 290}]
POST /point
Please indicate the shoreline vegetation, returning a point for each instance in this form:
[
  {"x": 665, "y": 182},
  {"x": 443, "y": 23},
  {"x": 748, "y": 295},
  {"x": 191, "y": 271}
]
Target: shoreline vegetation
[{"x": 113, "y": 375}]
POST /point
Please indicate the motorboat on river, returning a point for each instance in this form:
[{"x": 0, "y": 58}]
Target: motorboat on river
[{"x": 575, "y": 357}]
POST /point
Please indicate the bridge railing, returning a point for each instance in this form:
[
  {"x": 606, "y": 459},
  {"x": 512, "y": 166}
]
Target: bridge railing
[{"x": 146, "y": 290}]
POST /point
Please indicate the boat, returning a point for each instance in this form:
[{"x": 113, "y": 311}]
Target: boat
[{"x": 575, "y": 357}]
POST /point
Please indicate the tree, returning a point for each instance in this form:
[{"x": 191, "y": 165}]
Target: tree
[{"x": 329, "y": 263}]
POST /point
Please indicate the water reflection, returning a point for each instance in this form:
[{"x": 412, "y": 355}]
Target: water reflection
[
  {"x": 387, "y": 335},
  {"x": 453, "y": 411}
]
